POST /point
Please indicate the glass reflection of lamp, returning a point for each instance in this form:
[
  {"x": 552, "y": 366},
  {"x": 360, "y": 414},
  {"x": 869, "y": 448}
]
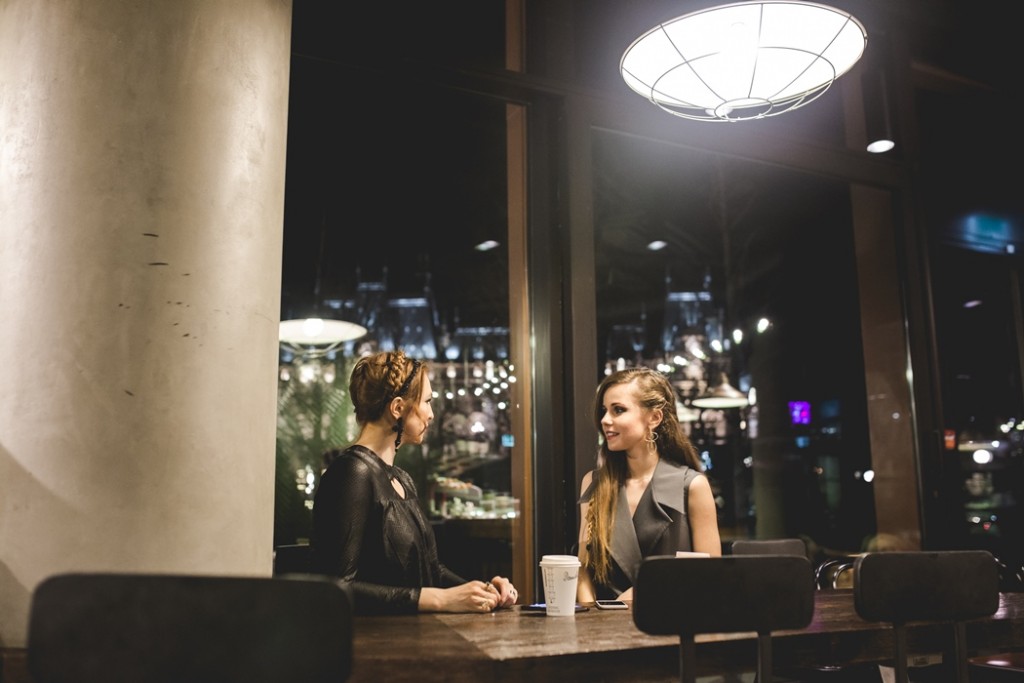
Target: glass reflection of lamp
[
  {"x": 686, "y": 414},
  {"x": 315, "y": 336},
  {"x": 721, "y": 396}
]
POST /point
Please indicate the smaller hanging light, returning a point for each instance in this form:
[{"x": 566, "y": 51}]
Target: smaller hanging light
[
  {"x": 722, "y": 395},
  {"x": 310, "y": 337}
]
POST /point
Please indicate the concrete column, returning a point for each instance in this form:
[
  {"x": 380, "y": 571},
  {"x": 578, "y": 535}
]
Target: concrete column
[{"x": 142, "y": 156}]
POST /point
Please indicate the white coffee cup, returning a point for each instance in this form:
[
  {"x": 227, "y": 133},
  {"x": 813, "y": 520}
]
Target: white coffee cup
[{"x": 560, "y": 574}]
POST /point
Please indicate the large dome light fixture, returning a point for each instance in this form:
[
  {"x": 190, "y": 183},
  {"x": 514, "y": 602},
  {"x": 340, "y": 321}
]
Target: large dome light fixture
[{"x": 748, "y": 60}]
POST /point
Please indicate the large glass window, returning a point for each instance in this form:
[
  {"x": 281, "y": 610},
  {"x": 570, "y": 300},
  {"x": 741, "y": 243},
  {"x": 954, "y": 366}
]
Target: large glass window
[
  {"x": 715, "y": 269},
  {"x": 396, "y": 219},
  {"x": 976, "y": 223},
  {"x": 978, "y": 312}
]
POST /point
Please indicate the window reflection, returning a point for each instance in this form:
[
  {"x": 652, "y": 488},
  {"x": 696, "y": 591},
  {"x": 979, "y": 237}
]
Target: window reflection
[
  {"x": 401, "y": 212},
  {"x": 751, "y": 310},
  {"x": 976, "y": 223},
  {"x": 978, "y": 314}
]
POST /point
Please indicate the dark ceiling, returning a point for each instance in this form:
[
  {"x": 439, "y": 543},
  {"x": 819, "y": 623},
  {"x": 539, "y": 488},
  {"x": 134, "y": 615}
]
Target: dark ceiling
[
  {"x": 388, "y": 179},
  {"x": 385, "y": 173}
]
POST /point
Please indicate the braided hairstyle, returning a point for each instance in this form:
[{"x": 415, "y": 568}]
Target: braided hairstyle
[
  {"x": 653, "y": 392},
  {"x": 380, "y": 378}
]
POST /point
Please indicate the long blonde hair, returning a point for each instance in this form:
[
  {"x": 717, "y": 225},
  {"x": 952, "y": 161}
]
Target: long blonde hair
[{"x": 653, "y": 392}]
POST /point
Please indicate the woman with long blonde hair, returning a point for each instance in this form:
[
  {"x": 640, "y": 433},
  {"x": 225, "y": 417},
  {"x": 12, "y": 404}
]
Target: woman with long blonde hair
[{"x": 648, "y": 495}]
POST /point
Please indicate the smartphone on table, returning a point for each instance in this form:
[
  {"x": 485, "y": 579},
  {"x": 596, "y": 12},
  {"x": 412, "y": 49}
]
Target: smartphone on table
[
  {"x": 611, "y": 604},
  {"x": 542, "y": 607}
]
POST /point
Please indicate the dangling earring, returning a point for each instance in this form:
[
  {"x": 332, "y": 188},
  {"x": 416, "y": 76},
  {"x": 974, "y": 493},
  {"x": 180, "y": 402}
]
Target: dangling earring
[
  {"x": 398, "y": 430},
  {"x": 651, "y": 439}
]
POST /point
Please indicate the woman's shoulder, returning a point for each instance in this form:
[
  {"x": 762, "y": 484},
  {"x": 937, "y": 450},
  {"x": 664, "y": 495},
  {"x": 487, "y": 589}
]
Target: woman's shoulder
[
  {"x": 354, "y": 461},
  {"x": 671, "y": 482},
  {"x": 671, "y": 468},
  {"x": 587, "y": 486}
]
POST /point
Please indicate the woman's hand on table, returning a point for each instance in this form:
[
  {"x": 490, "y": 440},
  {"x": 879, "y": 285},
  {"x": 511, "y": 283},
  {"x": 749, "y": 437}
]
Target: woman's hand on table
[
  {"x": 472, "y": 596},
  {"x": 505, "y": 592}
]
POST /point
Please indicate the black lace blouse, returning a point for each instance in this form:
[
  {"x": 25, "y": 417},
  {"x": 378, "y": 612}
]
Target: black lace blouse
[{"x": 372, "y": 539}]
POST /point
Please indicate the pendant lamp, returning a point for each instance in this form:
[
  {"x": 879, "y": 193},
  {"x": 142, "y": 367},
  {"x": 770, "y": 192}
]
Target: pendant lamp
[
  {"x": 722, "y": 395},
  {"x": 741, "y": 61},
  {"x": 303, "y": 332},
  {"x": 315, "y": 336},
  {"x": 878, "y": 119}
]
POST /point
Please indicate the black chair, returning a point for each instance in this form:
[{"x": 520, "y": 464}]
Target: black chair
[
  {"x": 824, "y": 575},
  {"x": 732, "y": 594},
  {"x": 1011, "y": 576},
  {"x": 151, "y": 628},
  {"x": 938, "y": 586},
  {"x": 769, "y": 546},
  {"x": 293, "y": 559},
  {"x": 823, "y": 672},
  {"x": 1001, "y": 667},
  {"x": 1004, "y": 667},
  {"x": 834, "y": 573}
]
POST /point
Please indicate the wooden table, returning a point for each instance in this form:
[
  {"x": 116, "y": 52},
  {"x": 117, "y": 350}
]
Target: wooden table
[{"x": 515, "y": 645}]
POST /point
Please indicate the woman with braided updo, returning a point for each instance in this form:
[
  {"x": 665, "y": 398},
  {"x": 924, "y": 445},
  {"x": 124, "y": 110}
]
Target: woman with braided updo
[
  {"x": 648, "y": 495},
  {"x": 368, "y": 528}
]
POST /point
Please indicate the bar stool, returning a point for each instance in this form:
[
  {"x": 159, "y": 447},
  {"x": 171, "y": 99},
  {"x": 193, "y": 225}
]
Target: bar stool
[
  {"x": 939, "y": 586},
  {"x": 150, "y": 628},
  {"x": 686, "y": 596}
]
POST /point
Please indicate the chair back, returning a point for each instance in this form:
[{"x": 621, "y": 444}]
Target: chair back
[
  {"x": 948, "y": 586},
  {"x": 687, "y": 596},
  {"x": 834, "y": 573},
  {"x": 150, "y": 628},
  {"x": 951, "y": 585},
  {"x": 293, "y": 559},
  {"x": 769, "y": 546}
]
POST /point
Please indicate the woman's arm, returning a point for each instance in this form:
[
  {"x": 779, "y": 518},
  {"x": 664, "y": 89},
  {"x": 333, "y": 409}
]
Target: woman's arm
[
  {"x": 469, "y": 596},
  {"x": 342, "y": 511},
  {"x": 472, "y": 596},
  {"x": 703, "y": 515},
  {"x": 584, "y": 586}
]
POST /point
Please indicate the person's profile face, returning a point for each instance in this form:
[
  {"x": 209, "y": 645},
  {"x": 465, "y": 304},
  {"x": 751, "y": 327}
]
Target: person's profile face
[
  {"x": 422, "y": 414},
  {"x": 624, "y": 421}
]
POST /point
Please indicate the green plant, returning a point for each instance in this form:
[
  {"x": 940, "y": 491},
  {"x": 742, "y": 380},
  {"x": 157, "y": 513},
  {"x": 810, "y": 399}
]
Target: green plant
[{"x": 313, "y": 416}]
